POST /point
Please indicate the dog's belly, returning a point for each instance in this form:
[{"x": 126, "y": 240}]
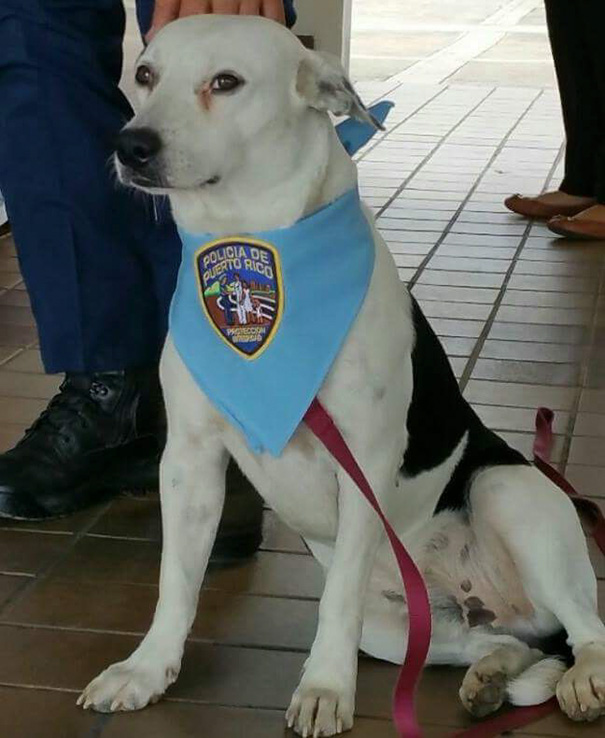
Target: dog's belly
[
  {"x": 476, "y": 571},
  {"x": 471, "y": 575},
  {"x": 300, "y": 485}
]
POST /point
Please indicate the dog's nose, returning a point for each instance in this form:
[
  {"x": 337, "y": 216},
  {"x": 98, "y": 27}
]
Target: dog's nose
[{"x": 137, "y": 146}]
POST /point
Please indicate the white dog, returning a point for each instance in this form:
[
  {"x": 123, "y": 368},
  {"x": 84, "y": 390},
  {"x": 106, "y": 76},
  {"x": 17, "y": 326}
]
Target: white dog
[{"x": 234, "y": 128}]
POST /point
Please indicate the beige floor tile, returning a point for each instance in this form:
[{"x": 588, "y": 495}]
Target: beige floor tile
[
  {"x": 532, "y": 351},
  {"x": 96, "y": 559},
  {"x": 10, "y": 435},
  {"x": 16, "y": 315},
  {"x": 18, "y": 298},
  {"x": 23, "y": 552},
  {"x": 184, "y": 720},
  {"x": 589, "y": 480},
  {"x": 10, "y": 584},
  {"x": 6, "y": 353},
  {"x": 22, "y": 384},
  {"x": 539, "y": 333},
  {"x": 527, "y": 372},
  {"x": 26, "y": 361},
  {"x": 20, "y": 410},
  {"x": 590, "y": 424},
  {"x": 36, "y": 713},
  {"x": 524, "y": 442},
  {"x": 587, "y": 451},
  {"x": 517, "y": 418},
  {"x": 546, "y": 315},
  {"x": 517, "y": 394},
  {"x": 593, "y": 400},
  {"x": 457, "y": 328},
  {"x": 9, "y": 279},
  {"x": 17, "y": 335},
  {"x": 455, "y": 294}
]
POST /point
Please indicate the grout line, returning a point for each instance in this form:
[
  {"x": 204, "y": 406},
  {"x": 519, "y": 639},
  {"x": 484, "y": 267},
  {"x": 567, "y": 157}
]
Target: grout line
[
  {"x": 139, "y": 634},
  {"x": 401, "y": 122},
  {"x": 468, "y": 370},
  {"x": 584, "y": 370},
  {"x": 429, "y": 156},
  {"x": 18, "y": 350},
  {"x": 470, "y": 193},
  {"x": 157, "y": 541},
  {"x": 45, "y": 571}
]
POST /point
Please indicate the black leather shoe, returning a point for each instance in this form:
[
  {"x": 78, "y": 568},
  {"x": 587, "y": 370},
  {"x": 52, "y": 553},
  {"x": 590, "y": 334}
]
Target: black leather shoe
[
  {"x": 100, "y": 435},
  {"x": 103, "y": 434}
]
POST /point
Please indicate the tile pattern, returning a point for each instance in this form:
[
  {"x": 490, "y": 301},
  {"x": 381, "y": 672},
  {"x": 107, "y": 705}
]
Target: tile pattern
[{"x": 522, "y": 318}]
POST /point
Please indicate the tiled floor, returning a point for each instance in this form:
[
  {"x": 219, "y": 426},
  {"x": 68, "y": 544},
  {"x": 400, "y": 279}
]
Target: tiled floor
[
  {"x": 479, "y": 41},
  {"x": 522, "y": 317}
]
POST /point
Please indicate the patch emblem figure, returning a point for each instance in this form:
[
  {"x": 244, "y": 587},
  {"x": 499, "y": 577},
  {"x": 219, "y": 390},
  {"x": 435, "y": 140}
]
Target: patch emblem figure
[{"x": 241, "y": 291}]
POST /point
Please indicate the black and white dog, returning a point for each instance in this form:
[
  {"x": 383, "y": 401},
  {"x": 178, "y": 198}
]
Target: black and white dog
[{"x": 244, "y": 143}]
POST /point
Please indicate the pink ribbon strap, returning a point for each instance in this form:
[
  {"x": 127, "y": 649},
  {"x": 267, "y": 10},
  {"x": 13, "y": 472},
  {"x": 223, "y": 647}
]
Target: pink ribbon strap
[
  {"x": 419, "y": 609},
  {"x": 543, "y": 444}
]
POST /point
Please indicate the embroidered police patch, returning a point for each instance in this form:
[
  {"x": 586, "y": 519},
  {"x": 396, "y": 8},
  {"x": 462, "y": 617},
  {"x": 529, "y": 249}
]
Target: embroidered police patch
[{"x": 241, "y": 291}]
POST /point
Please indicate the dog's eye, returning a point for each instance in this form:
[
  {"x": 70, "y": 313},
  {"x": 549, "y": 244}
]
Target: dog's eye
[
  {"x": 144, "y": 76},
  {"x": 226, "y": 82}
]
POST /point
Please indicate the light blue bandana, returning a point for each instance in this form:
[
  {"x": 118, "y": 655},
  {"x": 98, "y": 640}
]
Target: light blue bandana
[{"x": 258, "y": 319}]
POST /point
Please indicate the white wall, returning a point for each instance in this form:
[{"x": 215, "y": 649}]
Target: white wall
[{"x": 329, "y": 21}]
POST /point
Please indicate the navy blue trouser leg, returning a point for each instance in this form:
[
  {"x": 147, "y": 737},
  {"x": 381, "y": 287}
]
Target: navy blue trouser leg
[{"x": 99, "y": 268}]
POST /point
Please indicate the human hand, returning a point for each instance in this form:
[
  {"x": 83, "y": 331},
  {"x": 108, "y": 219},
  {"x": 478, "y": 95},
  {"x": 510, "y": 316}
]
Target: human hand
[{"x": 169, "y": 10}]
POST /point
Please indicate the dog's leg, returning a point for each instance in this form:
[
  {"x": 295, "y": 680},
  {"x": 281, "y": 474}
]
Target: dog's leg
[
  {"x": 541, "y": 530},
  {"x": 324, "y": 701},
  {"x": 495, "y": 659},
  {"x": 192, "y": 492}
]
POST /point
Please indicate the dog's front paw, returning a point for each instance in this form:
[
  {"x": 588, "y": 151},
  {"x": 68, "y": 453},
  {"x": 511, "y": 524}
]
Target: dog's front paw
[
  {"x": 581, "y": 690},
  {"x": 320, "y": 712},
  {"x": 127, "y": 686}
]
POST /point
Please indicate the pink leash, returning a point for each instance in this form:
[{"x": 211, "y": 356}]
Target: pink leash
[{"x": 419, "y": 609}]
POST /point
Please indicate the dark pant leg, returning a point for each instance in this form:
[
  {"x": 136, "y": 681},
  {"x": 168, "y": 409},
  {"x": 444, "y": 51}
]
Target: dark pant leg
[
  {"x": 99, "y": 270},
  {"x": 584, "y": 126},
  {"x": 592, "y": 14}
]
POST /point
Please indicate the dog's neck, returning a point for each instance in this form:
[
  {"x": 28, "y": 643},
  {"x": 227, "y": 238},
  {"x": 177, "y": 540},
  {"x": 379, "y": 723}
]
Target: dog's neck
[{"x": 288, "y": 177}]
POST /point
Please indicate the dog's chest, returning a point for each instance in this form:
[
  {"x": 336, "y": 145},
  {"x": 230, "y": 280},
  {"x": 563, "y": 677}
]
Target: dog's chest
[{"x": 300, "y": 485}]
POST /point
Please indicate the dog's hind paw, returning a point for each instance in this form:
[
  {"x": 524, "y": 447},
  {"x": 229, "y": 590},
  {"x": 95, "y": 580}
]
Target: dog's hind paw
[
  {"x": 126, "y": 686},
  {"x": 483, "y": 691},
  {"x": 319, "y": 712},
  {"x": 581, "y": 690}
]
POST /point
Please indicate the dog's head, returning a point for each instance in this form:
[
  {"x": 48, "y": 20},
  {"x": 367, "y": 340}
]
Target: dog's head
[{"x": 223, "y": 97}]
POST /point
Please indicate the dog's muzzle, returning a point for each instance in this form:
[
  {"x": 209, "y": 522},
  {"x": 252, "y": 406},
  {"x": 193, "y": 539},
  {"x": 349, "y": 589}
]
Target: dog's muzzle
[{"x": 138, "y": 148}]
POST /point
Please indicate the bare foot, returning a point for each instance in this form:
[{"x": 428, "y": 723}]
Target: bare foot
[
  {"x": 562, "y": 199},
  {"x": 595, "y": 213}
]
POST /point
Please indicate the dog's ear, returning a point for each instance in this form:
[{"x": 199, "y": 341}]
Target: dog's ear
[{"x": 323, "y": 83}]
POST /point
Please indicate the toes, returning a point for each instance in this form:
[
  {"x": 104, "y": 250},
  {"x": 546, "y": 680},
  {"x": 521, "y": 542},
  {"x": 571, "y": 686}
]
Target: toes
[
  {"x": 317, "y": 713},
  {"x": 325, "y": 719},
  {"x": 483, "y": 693},
  {"x": 581, "y": 695},
  {"x": 122, "y": 688}
]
